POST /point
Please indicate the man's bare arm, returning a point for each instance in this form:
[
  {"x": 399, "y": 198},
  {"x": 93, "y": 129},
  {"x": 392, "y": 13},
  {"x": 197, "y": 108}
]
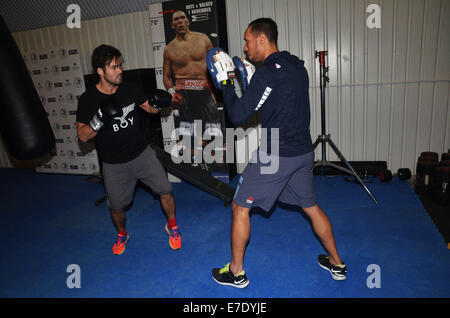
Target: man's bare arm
[
  {"x": 167, "y": 70},
  {"x": 149, "y": 108},
  {"x": 209, "y": 44},
  {"x": 85, "y": 132}
]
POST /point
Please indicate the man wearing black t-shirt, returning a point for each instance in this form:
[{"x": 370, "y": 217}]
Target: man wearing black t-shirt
[{"x": 108, "y": 113}]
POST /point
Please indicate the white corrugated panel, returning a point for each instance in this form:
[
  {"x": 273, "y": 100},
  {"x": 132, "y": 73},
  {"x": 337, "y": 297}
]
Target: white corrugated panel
[
  {"x": 128, "y": 32},
  {"x": 388, "y": 94}
]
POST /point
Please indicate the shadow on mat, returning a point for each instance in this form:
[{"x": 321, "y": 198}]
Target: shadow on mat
[{"x": 287, "y": 207}]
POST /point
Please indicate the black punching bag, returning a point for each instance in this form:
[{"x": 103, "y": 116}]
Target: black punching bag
[{"x": 24, "y": 124}]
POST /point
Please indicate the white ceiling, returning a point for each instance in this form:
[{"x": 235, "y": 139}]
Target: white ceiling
[{"x": 22, "y": 15}]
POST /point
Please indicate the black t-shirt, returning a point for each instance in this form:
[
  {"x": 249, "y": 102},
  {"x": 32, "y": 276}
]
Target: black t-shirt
[{"x": 122, "y": 138}]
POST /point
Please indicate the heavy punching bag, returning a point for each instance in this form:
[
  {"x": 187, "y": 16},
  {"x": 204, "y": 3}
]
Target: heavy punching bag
[{"x": 24, "y": 124}]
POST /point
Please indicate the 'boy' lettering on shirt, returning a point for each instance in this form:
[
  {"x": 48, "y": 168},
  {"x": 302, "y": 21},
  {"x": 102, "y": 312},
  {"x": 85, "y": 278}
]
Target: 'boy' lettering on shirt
[{"x": 124, "y": 122}]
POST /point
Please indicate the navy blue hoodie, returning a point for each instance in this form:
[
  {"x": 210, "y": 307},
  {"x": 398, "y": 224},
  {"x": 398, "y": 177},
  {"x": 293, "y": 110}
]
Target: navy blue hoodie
[{"x": 279, "y": 89}]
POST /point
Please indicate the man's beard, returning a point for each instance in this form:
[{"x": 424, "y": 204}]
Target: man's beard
[{"x": 115, "y": 81}]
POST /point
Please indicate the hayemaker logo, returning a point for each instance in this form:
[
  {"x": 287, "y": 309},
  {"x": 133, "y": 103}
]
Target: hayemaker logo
[
  {"x": 250, "y": 200},
  {"x": 194, "y": 84}
]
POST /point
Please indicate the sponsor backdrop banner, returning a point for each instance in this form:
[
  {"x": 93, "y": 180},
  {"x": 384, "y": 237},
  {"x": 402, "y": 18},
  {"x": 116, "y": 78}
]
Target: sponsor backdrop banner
[{"x": 58, "y": 79}]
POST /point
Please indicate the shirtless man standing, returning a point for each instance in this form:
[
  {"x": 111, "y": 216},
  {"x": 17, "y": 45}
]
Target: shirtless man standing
[
  {"x": 185, "y": 56},
  {"x": 185, "y": 62}
]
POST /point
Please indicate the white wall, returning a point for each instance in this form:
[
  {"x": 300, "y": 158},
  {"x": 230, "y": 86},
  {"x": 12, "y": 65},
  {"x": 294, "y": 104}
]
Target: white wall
[
  {"x": 129, "y": 32},
  {"x": 388, "y": 96}
]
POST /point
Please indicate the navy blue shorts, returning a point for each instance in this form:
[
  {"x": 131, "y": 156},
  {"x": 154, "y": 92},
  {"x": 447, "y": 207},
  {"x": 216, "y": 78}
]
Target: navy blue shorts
[{"x": 292, "y": 184}]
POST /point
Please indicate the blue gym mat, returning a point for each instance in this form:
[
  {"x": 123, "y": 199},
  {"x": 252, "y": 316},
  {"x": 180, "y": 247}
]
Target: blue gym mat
[{"x": 50, "y": 222}]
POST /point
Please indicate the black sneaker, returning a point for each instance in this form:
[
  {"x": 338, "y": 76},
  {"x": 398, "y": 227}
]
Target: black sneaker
[
  {"x": 338, "y": 272},
  {"x": 224, "y": 276}
]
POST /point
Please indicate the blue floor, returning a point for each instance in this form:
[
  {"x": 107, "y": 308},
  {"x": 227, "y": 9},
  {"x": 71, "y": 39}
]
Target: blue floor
[{"x": 50, "y": 221}]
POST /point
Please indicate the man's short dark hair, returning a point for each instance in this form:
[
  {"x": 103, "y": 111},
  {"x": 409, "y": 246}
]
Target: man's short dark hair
[
  {"x": 180, "y": 10},
  {"x": 103, "y": 55},
  {"x": 266, "y": 26}
]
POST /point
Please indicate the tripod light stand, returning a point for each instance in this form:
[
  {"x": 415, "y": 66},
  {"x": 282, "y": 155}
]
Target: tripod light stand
[{"x": 324, "y": 138}]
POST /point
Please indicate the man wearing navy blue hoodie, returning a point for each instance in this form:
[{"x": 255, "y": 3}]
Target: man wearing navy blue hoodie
[{"x": 279, "y": 89}]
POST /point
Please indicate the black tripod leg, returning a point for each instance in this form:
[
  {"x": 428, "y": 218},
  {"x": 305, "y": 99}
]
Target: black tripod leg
[
  {"x": 100, "y": 201},
  {"x": 321, "y": 163},
  {"x": 318, "y": 140},
  {"x": 338, "y": 153}
]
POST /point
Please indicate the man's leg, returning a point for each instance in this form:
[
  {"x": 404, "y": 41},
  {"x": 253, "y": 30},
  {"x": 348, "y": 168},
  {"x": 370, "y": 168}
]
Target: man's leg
[
  {"x": 119, "y": 185},
  {"x": 233, "y": 274},
  {"x": 240, "y": 234},
  {"x": 151, "y": 173},
  {"x": 118, "y": 219},
  {"x": 168, "y": 205},
  {"x": 322, "y": 227}
]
